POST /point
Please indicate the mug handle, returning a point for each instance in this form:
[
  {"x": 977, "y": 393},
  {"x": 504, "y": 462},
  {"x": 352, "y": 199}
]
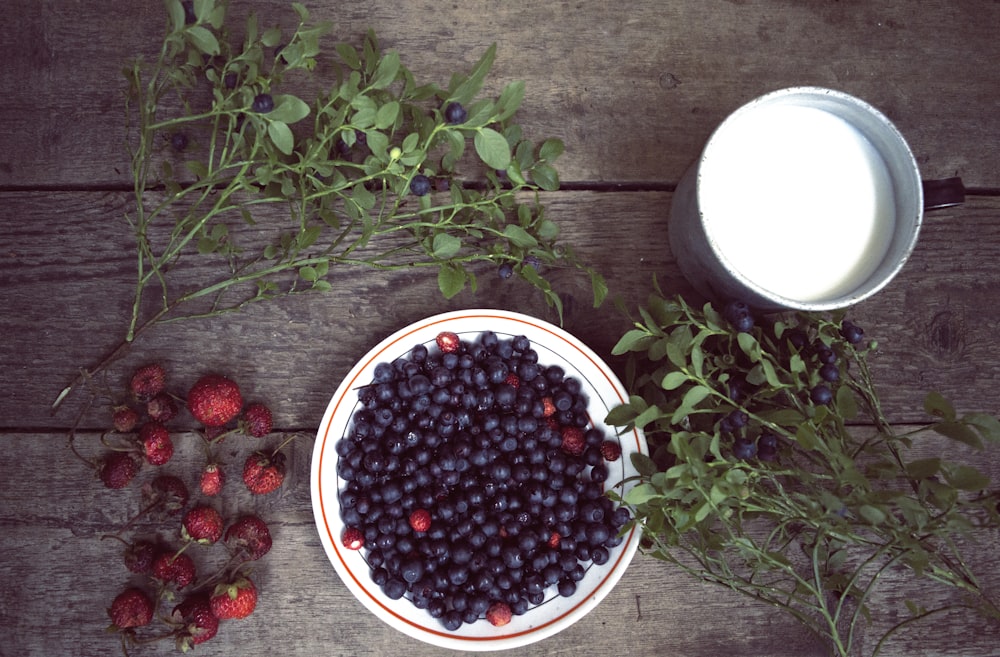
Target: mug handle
[{"x": 943, "y": 193}]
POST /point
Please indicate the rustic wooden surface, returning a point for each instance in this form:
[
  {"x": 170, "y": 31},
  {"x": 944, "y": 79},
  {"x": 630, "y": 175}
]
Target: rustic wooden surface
[{"x": 634, "y": 92}]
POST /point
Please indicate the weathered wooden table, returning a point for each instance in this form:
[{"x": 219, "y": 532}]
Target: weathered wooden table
[{"x": 633, "y": 90}]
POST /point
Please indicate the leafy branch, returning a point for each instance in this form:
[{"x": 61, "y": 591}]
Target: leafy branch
[
  {"x": 760, "y": 480},
  {"x": 277, "y": 191}
]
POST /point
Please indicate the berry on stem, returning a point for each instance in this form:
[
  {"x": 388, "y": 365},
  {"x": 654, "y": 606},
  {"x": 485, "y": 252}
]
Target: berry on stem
[
  {"x": 131, "y": 608},
  {"x": 235, "y": 599},
  {"x": 214, "y": 400}
]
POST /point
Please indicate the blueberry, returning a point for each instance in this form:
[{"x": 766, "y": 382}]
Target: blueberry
[
  {"x": 179, "y": 141},
  {"x": 505, "y": 271},
  {"x": 821, "y": 394},
  {"x": 420, "y": 185},
  {"x": 262, "y": 103},
  {"x": 829, "y": 372},
  {"x": 229, "y": 80},
  {"x": 454, "y": 113},
  {"x": 738, "y": 314},
  {"x": 189, "y": 15},
  {"x": 744, "y": 449},
  {"x": 851, "y": 332}
]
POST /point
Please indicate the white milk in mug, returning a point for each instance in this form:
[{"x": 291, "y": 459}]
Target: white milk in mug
[{"x": 805, "y": 198}]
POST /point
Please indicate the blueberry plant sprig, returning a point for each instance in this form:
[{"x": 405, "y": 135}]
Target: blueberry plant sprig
[
  {"x": 367, "y": 173},
  {"x": 762, "y": 479}
]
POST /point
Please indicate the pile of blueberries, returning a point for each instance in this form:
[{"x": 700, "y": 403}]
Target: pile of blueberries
[{"x": 460, "y": 487}]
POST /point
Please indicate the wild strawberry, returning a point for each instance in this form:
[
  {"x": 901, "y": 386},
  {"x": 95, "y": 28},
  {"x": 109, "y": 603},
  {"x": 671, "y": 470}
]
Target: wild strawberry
[
  {"x": 131, "y": 608},
  {"x": 156, "y": 443},
  {"x": 139, "y": 556},
  {"x": 212, "y": 480},
  {"x": 573, "y": 441},
  {"x": 448, "y": 342},
  {"x": 513, "y": 380},
  {"x": 420, "y": 520},
  {"x": 166, "y": 492},
  {"x": 124, "y": 419},
  {"x": 548, "y": 407},
  {"x": 256, "y": 420},
  {"x": 162, "y": 408},
  {"x": 352, "y": 538},
  {"x": 611, "y": 450},
  {"x": 250, "y": 537},
  {"x": 214, "y": 400},
  {"x": 554, "y": 539},
  {"x": 236, "y": 599},
  {"x": 262, "y": 473},
  {"x": 499, "y": 614},
  {"x": 173, "y": 568},
  {"x": 202, "y": 524},
  {"x": 148, "y": 381},
  {"x": 197, "y": 622},
  {"x": 118, "y": 469}
]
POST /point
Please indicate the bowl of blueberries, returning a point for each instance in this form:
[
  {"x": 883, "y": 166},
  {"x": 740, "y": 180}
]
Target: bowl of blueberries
[{"x": 461, "y": 479}]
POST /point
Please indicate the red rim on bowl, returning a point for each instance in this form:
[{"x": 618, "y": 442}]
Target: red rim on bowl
[{"x": 554, "y": 347}]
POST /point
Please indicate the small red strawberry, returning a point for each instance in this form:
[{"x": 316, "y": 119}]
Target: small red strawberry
[
  {"x": 352, "y": 538},
  {"x": 250, "y": 537},
  {"x": 214, "y": 400},
  {"x": 166, "y": 492},
  {"x": 448, "y": 342},
  {"x": 162, "y": 408},
  {"x": 202, "y": 524},
  {"x": 548, "y": 406},
  {"x": 499, "y": 614},
  {"x": 554, "y": 539},
  {"x": 171, "y": 567},
  {"x": 611, "y": 450},
  {"x": 264, "y": 473},
  {"x": 197, "y": 622},
  {"x": 513, "y": 380},
  {"x": 212, "y": 480},
  {"x": 236, "y": 599},
  {"x": 573, "y": 441},
  {"x": 139, "y": 556},
  {"x": 148, "y": 381},
  {"x": 420, "y": 520},
  {"x": 256, "y": 420},
  {"x": 131, "y": 608},
  {"x": 156, "y": 443},
  {"x": 118, "y": 469},
  {"x": 124, "y": 419}
]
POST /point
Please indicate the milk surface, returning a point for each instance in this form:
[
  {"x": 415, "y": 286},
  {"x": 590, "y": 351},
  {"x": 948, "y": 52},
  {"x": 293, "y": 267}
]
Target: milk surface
[{"x": 797, "y": 201}]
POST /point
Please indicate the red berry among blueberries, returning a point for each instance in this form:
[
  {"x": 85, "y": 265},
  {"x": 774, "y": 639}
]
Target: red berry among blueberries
[
  {"x": 496, "y": 449},
  {"x": 454, "y": 113},
  {"x": 420, "y": 185},
  {"x": 262, "y": 103}
]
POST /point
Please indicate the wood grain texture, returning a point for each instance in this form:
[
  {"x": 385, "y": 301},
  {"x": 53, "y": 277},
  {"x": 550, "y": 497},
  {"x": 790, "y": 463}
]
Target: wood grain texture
[{"x": 633, "y": 92}]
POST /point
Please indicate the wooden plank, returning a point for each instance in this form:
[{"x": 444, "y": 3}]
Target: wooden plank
[
  {"x": 59, "y": 576},
  {"x": 634, "y": 94},
  {"x": 67, "y": 270}
]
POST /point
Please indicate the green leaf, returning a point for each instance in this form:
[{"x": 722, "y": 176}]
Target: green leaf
[
  {"x": 644, "y": 465},
  {"x": 308, "y": 273},
  {"x": 386, "y": 115},
  {"x": 640, "y": 494},
  {"x": 288, "y": 109},
  {"x": 674, "y": 380},
  {"x": 281, "y": 135},
  {"x": 203, "y": 39},
  {"x": 923, "y": 468},
  {"x": 987, "y": 425},
  {"x": 492, "y": 148},
  {"x": 451, "y": 279},
  {"x": 959, "y": 432},
  {"x": 385, "y": 72},
  {"x": 349, "y": 54},
  {"x": 445, "y": 246},
  {"x": 519, "y": 236},
  {"x": 271, "y": 37},
  {"x": 510, "y": 100},
  {"x": 545, "y": 176},
  {"x": 965, "y": 477},
  {"x": 176, "y": 11},
  {"x": 463, "y": 90},
  {"x": 633, "y": 340},
  {"x": 551, "y": 149},
  {"x": 695, "y": 396},
  {"x": 872, "y": 514},
  {"x": 935, "y": 404}
]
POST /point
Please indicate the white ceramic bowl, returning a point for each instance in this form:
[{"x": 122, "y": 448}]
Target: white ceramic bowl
[{"x": 554, "y": 347}]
